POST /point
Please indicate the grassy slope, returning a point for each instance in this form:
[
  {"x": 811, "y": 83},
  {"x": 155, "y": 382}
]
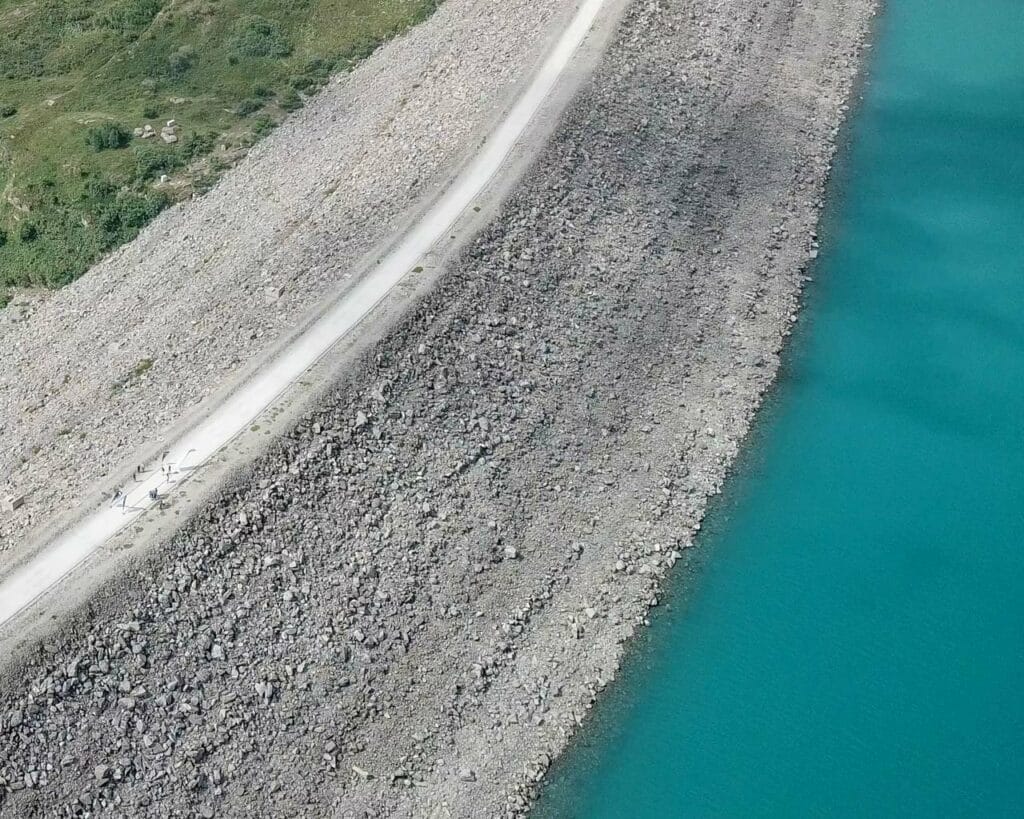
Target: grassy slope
[{"x": 225, "y": 70}]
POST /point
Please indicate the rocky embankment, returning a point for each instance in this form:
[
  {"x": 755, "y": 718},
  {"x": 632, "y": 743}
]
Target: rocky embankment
[
  {"x": 407, "y": 607},
  {"x": 94, "y": 372}
]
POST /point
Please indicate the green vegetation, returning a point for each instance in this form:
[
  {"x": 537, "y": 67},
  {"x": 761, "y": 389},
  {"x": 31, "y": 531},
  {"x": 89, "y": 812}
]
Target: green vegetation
[
  {"x": 132, "y": 377},
  {"x": 107, "y": 136},
  {"x": 77, "y": 77},
  {"x": 255, "y": 36}
]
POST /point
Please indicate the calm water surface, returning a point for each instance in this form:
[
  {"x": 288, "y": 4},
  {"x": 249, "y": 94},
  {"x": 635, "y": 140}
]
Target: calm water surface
[{"x": 852, "y": 641}]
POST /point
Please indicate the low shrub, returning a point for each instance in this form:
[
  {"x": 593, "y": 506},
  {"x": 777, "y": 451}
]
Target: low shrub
[
  {"x": 290, "y": 100},
  {"x": 197, "y": 144},
  {"x": 151, "y": 161},
  {"x": 180, "y": 61},
  {"x": 248, "y": 106},
  {"x": 261, "y": 126},
  {"x": 129, "y": 17},
  {"x": 107, "y": 137},
  {"x": 255, "y": 36},
  {"x": 122, "y": 217}
]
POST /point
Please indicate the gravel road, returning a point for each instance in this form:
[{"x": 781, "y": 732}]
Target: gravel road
[{"x": 407, "y": 606}]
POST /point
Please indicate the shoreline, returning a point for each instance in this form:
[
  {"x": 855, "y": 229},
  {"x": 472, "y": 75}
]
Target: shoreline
[
  {"x": 559, "y": 753},
  {"x": 541, "y": 436}
]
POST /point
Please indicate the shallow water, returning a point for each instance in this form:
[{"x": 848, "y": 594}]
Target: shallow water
[{"x": 851, "y": 639}]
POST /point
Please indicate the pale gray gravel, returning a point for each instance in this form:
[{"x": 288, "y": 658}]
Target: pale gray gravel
[{"x": 412, "y": 601}]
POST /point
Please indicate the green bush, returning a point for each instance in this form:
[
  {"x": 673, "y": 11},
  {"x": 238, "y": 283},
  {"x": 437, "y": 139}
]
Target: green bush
[
  {"x": 7, "y": 111},
  {"x": 97, "y": 189},
  {"x": 290, "y": 100},
  {"x": 107, "y": 137},
  {"x": 150, "y": 112},
  {"x": 28, "y": 232},
  {"x": 119, "y": 219},
  {"x": 261, "y": 126},
  {"x": 249, "y": 106},
  {"x": 131, "y": 212},
  {"x": 180, "y": 61},
  {"x": 131, "y": 16},
  {"x": 314, "y": 75},
  {"x": 3, "y": 237},
  {"x": 197, "y": 144},
  {"x": 319, "y": 68},
  {"x": 255, "y": 36},
  {"x": 151, "y": 161}
]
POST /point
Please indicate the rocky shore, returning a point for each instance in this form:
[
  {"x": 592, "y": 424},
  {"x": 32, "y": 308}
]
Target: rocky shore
[{"x": 408, "y": 606}]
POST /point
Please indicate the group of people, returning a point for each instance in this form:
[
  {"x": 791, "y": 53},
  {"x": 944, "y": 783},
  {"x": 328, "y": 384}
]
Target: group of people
[{"x": 154, "y": 494}]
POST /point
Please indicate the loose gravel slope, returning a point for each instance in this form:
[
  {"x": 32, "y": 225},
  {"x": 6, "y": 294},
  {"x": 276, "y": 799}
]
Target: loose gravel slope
[{"x": 409, "y": 604}]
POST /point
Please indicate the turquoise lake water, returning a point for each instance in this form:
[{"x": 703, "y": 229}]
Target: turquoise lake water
[{"x": 850, "y": 639}]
